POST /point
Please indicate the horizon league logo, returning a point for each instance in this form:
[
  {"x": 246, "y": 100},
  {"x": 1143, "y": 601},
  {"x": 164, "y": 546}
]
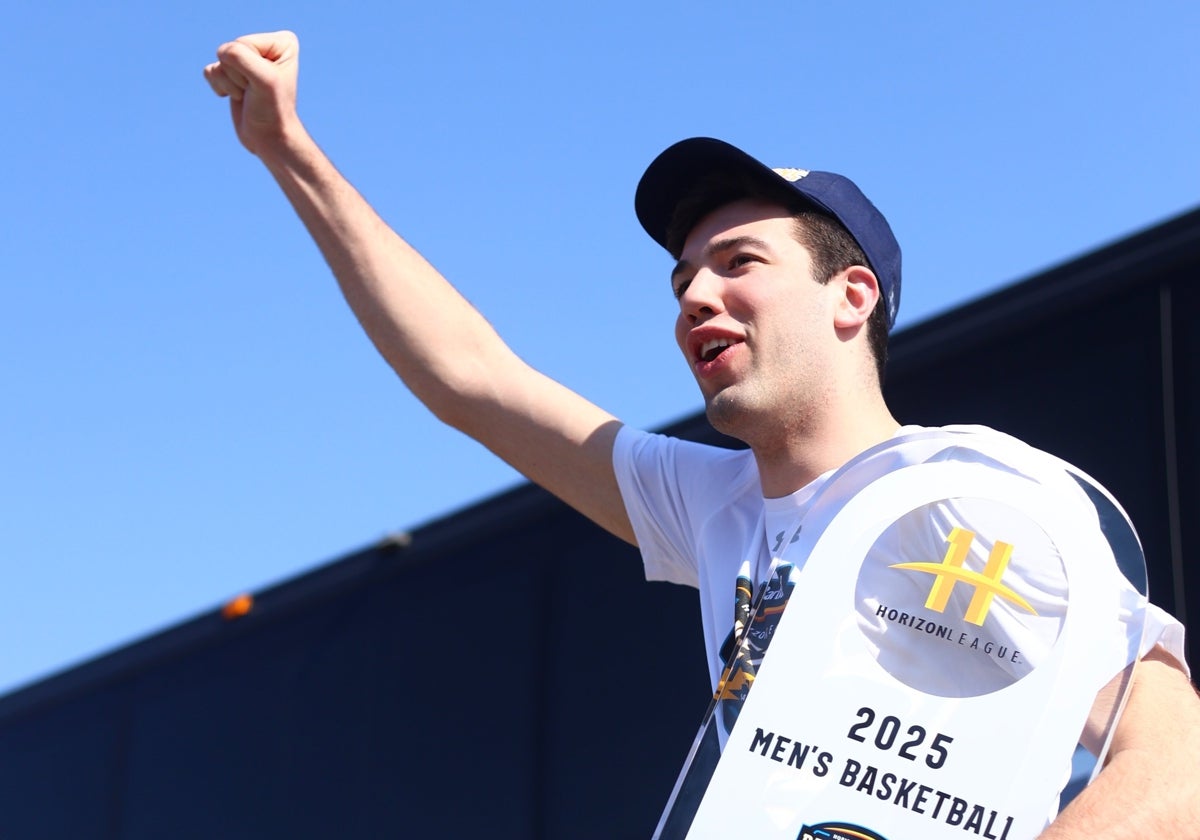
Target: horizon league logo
[
  {"x": 837, "y": 831},
  {"x": 950, "y": 572}
]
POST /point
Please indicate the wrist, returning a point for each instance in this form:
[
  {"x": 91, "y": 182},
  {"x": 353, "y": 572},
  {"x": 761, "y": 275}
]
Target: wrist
[{"x": 284, "y": 147}]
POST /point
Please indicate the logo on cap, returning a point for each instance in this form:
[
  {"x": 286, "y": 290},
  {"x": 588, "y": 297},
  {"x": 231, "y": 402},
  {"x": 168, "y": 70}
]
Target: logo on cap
[{"x": 791, "y": 174}]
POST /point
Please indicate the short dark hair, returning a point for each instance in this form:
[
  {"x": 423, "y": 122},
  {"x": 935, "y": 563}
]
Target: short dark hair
[
  {"x": 831, "y": 246},
  {"x": 833, "y": 249}
]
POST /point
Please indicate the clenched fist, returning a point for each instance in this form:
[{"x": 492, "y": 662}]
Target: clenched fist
[{"x": 258, "y": 73}]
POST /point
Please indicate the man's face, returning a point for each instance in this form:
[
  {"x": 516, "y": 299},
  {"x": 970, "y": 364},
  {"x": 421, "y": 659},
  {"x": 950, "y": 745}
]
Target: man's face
[{"x": 754, "y": 326}]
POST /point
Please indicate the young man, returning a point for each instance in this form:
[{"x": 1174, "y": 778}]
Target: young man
[{"x": 776, "y": 319}]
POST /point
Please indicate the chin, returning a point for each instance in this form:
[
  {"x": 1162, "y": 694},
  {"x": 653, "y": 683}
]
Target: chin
[
  {"x": 746, "y": 414},
  {"x": 726, "y": 414}
]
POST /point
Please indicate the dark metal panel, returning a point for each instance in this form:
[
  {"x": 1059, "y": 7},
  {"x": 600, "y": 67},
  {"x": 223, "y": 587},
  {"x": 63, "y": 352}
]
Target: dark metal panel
[
  {"x": 626, "y": 686},
  {"x": 61, "y": 769},
  {"x": 1185, "y": 341},
  {"x": 387, "y": 711}
]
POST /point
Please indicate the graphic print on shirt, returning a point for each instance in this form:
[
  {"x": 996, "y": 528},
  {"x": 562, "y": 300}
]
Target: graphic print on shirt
[{"x": 751, "y": 638}]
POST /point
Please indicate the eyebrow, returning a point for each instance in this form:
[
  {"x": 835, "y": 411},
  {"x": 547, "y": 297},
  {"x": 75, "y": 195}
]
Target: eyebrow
[{"x": 683, "y": 266}]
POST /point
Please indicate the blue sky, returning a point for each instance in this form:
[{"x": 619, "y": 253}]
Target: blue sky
[{"x": 189, "y": 408}]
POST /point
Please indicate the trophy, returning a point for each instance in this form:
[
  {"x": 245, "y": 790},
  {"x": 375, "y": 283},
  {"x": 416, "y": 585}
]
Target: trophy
[{"x": 964, "y": 617}]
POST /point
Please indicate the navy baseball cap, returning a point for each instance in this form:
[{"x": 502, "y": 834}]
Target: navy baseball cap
[{"x": 674, "y": 173}]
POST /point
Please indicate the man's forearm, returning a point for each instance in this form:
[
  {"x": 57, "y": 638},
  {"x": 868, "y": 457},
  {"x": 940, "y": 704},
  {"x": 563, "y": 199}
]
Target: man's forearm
[
  {"x": 1151, "y": 783},
  {"x": 443, "y": 349},
  {"x": 410, "y": 312}
]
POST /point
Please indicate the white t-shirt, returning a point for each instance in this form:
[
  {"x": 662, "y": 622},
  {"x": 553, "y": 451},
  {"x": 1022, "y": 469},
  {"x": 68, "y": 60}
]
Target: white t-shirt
[{"x": 700, "y": 520}]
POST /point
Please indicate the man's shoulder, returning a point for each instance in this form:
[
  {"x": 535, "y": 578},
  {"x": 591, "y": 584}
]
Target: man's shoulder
[
  {"x": 644, "y": 444},
  {"x": 969, "y": 442},
  {"x": 698, "y": 470},
  {"x": 971, "y": 446}
]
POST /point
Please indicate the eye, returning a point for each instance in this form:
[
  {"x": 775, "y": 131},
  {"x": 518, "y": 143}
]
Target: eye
[
  {"x": 741, "y": 259},
  {"x": 680, "y": 288}
]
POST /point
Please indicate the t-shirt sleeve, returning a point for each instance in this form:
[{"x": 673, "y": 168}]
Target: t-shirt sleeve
[
  {"x": 648, "y": 474},
  {"x": 1166, "y": 630}
]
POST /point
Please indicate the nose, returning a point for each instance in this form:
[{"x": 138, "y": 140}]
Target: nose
[{"x": 702, "y": 298}]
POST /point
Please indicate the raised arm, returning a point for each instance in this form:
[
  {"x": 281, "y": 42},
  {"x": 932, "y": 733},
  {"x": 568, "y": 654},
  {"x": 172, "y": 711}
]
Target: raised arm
[{"x": 442, "y": 348}]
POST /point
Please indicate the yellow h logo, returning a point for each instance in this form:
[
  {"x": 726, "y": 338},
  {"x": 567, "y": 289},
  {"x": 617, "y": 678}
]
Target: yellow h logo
[{"x": 950, "y": 571}]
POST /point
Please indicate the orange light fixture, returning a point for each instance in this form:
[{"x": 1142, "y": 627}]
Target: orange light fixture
[{"x": 237, "y": 607}]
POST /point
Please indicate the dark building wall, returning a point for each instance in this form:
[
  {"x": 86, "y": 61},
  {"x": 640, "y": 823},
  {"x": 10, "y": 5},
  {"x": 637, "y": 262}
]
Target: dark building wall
[{"x": 506, "y": 673}]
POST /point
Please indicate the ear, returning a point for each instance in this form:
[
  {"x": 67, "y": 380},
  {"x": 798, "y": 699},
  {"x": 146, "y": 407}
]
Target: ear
[{"x": 860, "y": 293}]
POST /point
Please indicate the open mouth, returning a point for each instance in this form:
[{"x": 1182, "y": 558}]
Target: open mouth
[{"x": 714, "y": 347}]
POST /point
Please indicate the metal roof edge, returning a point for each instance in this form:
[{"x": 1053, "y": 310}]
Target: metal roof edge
[{"x": 1091, "y": 276}]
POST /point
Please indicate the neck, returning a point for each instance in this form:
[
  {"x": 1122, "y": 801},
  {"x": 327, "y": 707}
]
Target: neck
[{"x": 823, "y": 444}]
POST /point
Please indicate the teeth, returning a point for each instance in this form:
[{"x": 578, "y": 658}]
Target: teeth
[{"x": 713, "y": 344}]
